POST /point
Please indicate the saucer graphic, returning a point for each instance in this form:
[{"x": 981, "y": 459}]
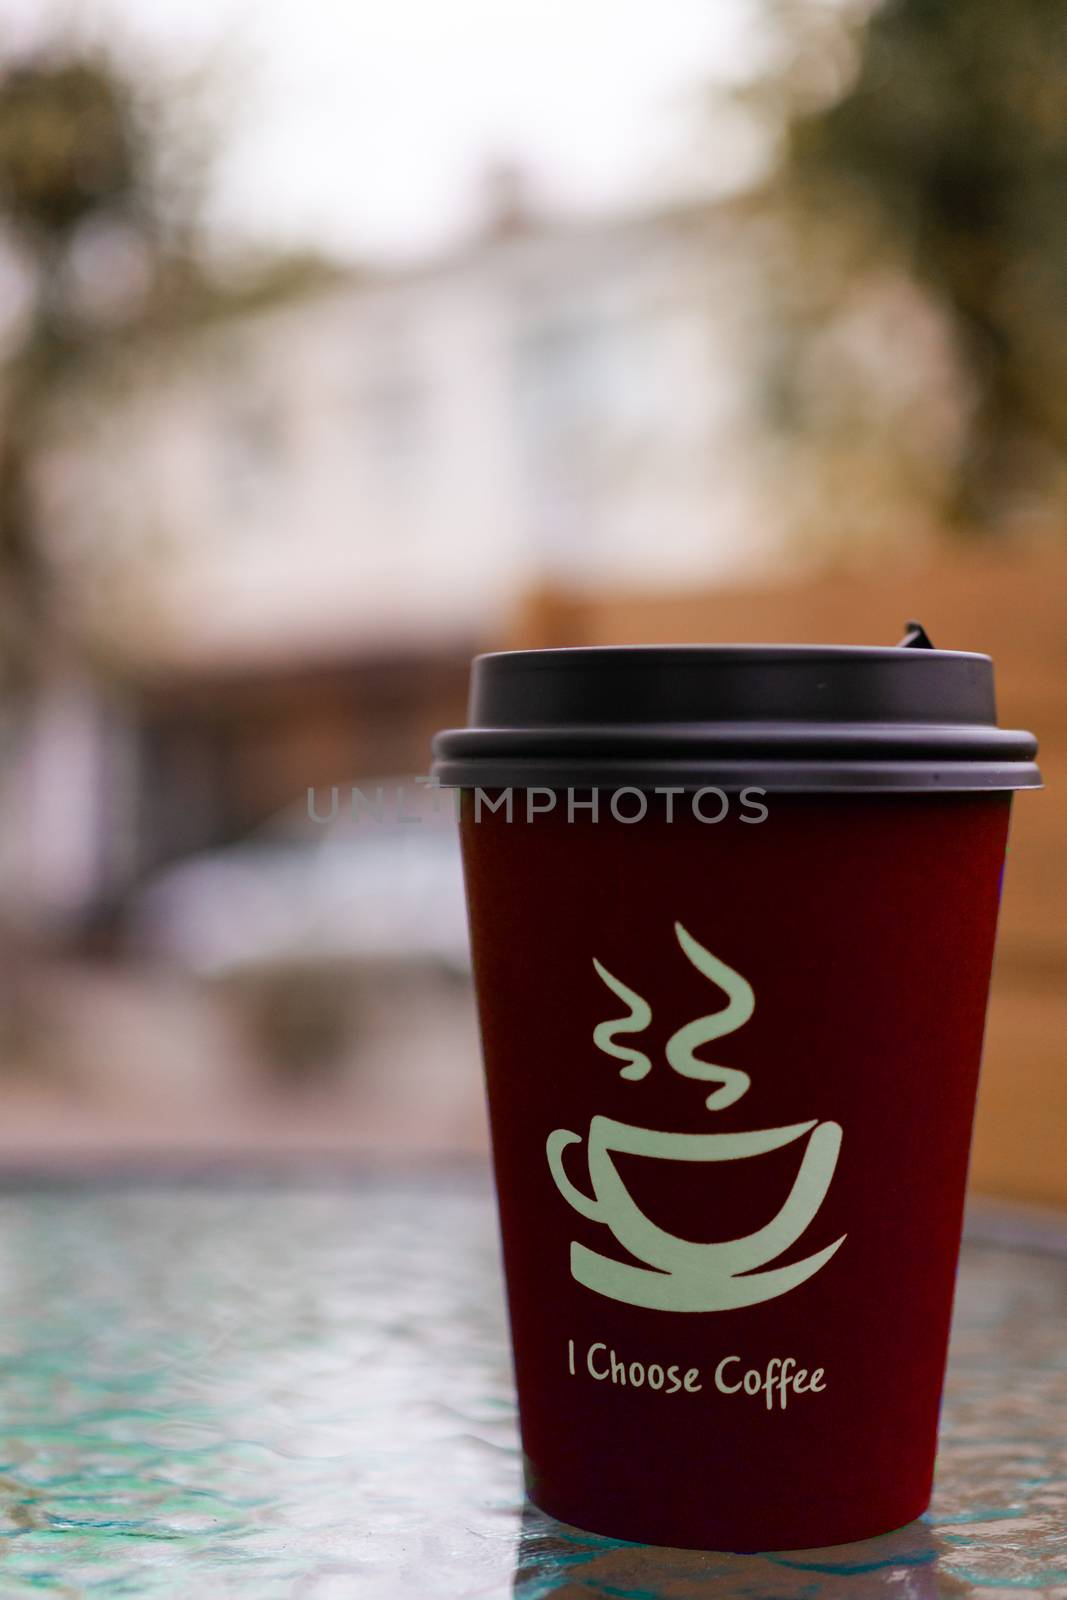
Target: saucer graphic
[{"x": 681, "y": 1275}]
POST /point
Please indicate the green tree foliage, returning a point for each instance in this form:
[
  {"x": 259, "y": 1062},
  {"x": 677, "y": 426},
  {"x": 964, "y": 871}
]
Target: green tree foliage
[
  {"x": 68, "y": 156},
  {"x": 94, "y": 170},
  {"x": 67, "y": 146},
  {"x": 952, "y": 138}
]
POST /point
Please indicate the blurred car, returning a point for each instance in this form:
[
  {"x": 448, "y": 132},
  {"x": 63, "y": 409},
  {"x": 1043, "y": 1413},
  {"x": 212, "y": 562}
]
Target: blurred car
[
  {"x": 382, "y": 886},
  {"x": 305, "y": 921}
]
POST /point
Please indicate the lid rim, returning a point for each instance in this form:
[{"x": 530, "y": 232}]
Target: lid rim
[
  {"x": 751, "y": 739},
  {"x": 771, "y": 777},
  {"x": 565, "y": 654}
]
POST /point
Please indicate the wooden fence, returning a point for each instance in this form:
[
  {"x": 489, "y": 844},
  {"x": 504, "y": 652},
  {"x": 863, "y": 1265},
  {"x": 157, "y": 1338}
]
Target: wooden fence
[{"x": 1013, "y": 606}]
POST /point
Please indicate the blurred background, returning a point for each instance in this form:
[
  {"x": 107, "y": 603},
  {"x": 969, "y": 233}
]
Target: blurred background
[{"x": 340, "y": 341}]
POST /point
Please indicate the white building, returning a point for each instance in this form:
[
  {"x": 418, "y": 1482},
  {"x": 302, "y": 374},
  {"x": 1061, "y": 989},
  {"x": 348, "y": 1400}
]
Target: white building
[{"x": 397, "y": 457}]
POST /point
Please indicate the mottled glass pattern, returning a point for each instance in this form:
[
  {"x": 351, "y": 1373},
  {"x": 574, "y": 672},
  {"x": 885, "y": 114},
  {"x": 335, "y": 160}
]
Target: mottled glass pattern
[{"x": 302, "y": 1391}]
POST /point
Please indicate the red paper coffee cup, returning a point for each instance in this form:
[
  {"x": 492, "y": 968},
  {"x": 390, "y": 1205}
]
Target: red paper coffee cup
[{"x": 732, "y": 914}]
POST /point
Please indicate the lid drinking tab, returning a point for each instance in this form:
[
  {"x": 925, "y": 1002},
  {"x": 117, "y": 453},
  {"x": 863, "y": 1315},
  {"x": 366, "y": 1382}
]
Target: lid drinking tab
[{"x": 915, "y": 637}]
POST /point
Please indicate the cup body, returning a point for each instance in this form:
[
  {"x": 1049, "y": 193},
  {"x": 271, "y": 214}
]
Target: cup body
[{"x": 731, "y": 1073}]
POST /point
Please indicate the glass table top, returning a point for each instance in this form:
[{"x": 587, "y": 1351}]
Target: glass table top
[{"x": 302, "y": 1390}]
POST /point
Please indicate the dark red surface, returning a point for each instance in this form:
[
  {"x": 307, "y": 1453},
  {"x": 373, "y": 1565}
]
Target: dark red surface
[{"x": 865, "y": 926}]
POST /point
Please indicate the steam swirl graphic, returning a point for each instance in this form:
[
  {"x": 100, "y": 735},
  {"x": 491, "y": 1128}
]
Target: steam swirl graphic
[
  {"x": 741, "y": 1004},
  {"x": 640, "y": 1015}
]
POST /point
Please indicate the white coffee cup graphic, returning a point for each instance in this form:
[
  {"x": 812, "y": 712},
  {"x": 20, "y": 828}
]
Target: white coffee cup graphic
[{"x": 682, "y": 1275}]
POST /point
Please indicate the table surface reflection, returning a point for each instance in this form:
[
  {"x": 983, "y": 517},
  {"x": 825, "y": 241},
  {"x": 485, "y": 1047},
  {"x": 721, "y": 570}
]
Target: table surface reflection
[{"x": 302, "y": 1390}]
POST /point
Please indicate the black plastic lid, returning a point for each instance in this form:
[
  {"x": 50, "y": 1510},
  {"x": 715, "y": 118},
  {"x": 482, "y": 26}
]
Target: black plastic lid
[{"x": 803, "y": 718}]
